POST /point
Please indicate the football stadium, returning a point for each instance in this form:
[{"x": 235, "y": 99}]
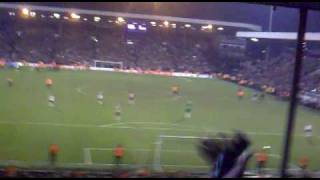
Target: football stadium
[{"x": 88, "y": 92}]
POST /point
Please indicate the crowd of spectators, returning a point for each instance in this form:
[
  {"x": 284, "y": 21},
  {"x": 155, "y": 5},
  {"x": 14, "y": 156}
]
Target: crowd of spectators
[
  {"x": 277, "y": 72},
  {"x": 67, "y": 43},
  {"x": 159, "y": 48}
]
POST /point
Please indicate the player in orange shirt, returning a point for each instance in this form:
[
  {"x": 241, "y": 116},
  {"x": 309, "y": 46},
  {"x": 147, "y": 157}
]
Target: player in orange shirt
[
  {"x": 53, "y": 151},
  {"x": 118, "y": 154},
  {"x": 303, "y": 162},
  {"x": 240, "y": 93},
  {"x": 48, "y": 82},
  {"x": 261, "y": 159},
  {"x": 175, "y": 90}
]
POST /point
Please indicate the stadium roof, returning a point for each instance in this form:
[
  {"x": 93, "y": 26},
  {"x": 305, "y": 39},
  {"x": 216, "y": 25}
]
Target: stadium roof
[
  {"x": 284, "y": 35},
  {"x": 251, "y": 27},
  {"x": 278, "y": 35},
  {"x": 306, "y": 5}
]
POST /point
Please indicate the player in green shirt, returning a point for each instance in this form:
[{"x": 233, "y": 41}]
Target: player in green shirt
[
  {"x": 117, "y": 112},
  {"x": 188, "y": 109}
]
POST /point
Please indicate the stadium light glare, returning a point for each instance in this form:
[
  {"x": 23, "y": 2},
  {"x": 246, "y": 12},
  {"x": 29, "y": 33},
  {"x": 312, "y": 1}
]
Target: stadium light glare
[
  {"x": 96, "y": 19},
  {"x": 153, "y": 23},
  {"x": 85, "y": 19},
  {"x": 209, "y": 26},
  {"x": 187, "y": 25},
  {"x": 12, "y": 13},
  {"x": 166, "y": 23},
  {"x": 42, "y": 16},
  {"x": 254, "y": 39},
  {"x": 220, "y": 28},
  {"x": 94, "y": 39},
  {"x": 120, "y": 19},
  {"x": 173, "y": 25},
  {"x": 75, "y": 16},
  {"x": 32, "y": 14},
  {"x": 65, "y": 17},
  {"x": 25, "y": 11},
  {"x": 131, "y": 26},
  {"x": 56, "y": 15},
  {"x": 129, "y": 42},
  {"x": 142, "y": 28}
]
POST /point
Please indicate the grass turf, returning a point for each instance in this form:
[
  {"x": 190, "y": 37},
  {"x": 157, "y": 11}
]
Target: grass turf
[{"x": 28, "y": 125}]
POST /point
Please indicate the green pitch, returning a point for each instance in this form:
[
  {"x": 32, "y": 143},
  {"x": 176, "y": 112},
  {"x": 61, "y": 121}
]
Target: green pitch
[{"x": 86, "y": 131}]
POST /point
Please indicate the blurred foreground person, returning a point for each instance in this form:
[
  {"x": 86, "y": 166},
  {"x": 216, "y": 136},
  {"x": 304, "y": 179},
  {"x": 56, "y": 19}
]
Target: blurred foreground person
[
  {"x": 227, "y": 156},
  {"x": 53, "y": 152}
]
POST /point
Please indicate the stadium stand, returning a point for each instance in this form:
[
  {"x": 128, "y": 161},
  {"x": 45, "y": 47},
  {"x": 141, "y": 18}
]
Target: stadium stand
[{"x": 180, "y": 50}]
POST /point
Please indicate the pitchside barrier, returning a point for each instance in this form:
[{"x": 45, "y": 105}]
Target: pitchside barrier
[{"x": 133, "y": 71}]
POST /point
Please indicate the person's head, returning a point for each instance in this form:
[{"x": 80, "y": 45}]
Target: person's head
[{"x": 209, "y": 149}]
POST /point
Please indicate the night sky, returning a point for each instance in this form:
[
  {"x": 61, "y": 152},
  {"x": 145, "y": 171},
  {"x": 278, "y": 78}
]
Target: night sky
[{"x": 285, "y": 19}]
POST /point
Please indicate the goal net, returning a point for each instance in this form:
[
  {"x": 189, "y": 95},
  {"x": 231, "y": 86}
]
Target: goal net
[
  {"x": 178, "y": 152},
  {"x": 108, "y": 64}
]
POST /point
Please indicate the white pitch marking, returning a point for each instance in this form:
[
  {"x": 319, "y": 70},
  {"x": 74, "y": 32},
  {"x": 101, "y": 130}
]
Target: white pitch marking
[
  {"x": 110, "y": 125},
  {"x": 130, "y": 127},
  {"x": 141, "y": 149},
  {"x": 79, "y": 90}
]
